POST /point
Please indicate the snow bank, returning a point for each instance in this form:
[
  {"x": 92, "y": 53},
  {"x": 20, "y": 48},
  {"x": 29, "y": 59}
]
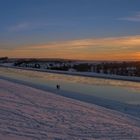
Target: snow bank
[
  {"x": 88, "y": 74},
  {"x": 30, "y": 114}
]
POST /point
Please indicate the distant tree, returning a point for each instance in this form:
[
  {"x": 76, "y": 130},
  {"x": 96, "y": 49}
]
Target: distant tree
[
  {"x": 3, "y": 59},
  {"x": 37, "y": 66},
  {"x": 82, "y": 67}
]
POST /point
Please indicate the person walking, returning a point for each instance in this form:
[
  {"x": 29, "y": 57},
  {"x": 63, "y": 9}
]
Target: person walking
[{"x": 57, "y": 87}]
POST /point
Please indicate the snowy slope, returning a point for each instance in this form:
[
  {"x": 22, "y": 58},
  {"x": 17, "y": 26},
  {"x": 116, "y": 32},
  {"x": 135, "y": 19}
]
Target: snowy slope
[{"x": 30, "y": 114}]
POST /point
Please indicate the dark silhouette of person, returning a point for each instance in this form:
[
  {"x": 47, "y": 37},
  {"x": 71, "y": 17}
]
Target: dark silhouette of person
[{"x": 58, "y": 87}]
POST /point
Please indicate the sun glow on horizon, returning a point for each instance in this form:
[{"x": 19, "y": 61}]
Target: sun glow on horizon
[{"x": 112, "y": 48}]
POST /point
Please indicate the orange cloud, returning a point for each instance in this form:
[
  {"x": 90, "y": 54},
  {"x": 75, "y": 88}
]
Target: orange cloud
[{"x": 113, "y": 48}]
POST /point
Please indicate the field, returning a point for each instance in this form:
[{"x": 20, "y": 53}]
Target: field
[{"x": 30, "y": 114}]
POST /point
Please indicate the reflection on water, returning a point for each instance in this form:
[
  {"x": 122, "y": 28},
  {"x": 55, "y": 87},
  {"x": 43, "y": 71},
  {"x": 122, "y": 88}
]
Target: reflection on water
[{"x": 113, "y": 89}]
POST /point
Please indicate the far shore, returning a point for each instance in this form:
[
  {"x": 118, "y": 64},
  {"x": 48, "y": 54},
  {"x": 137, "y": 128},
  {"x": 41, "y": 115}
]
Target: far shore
[{"x": 85, "y": 74}]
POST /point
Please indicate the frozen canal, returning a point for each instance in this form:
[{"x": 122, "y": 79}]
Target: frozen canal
[{"x": 117, "y": 90}]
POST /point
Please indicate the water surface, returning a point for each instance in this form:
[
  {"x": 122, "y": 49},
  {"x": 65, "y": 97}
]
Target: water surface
[{"x": 123, "y": 91}]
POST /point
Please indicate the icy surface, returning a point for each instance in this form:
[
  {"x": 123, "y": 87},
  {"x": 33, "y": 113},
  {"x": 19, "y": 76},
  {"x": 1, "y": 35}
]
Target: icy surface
[{"x": 30, "y": 114}]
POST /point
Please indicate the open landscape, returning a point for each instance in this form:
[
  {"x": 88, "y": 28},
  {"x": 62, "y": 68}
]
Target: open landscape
[
  {"x": 69, "y": 69},
  {"x": 118, "y": 95},
  {"x": 30, "y": 114},
  {"x": 37, "y": 110}
]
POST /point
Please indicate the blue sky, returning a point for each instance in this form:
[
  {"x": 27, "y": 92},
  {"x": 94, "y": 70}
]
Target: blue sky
[{"x": 24, "y": 22}]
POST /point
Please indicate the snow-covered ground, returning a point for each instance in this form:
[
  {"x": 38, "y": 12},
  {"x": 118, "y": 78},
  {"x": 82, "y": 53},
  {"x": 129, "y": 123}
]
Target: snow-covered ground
[
  {"x": 107, "y": 93},
  {"x": 30, "y": 114}
]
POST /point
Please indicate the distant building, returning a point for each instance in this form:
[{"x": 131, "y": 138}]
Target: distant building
[
  {"x": 72, "y": 70},
  {"x": 131, "y": 71}
]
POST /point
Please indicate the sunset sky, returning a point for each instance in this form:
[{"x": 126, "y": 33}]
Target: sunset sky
[{"x": 75, "y": 29}]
